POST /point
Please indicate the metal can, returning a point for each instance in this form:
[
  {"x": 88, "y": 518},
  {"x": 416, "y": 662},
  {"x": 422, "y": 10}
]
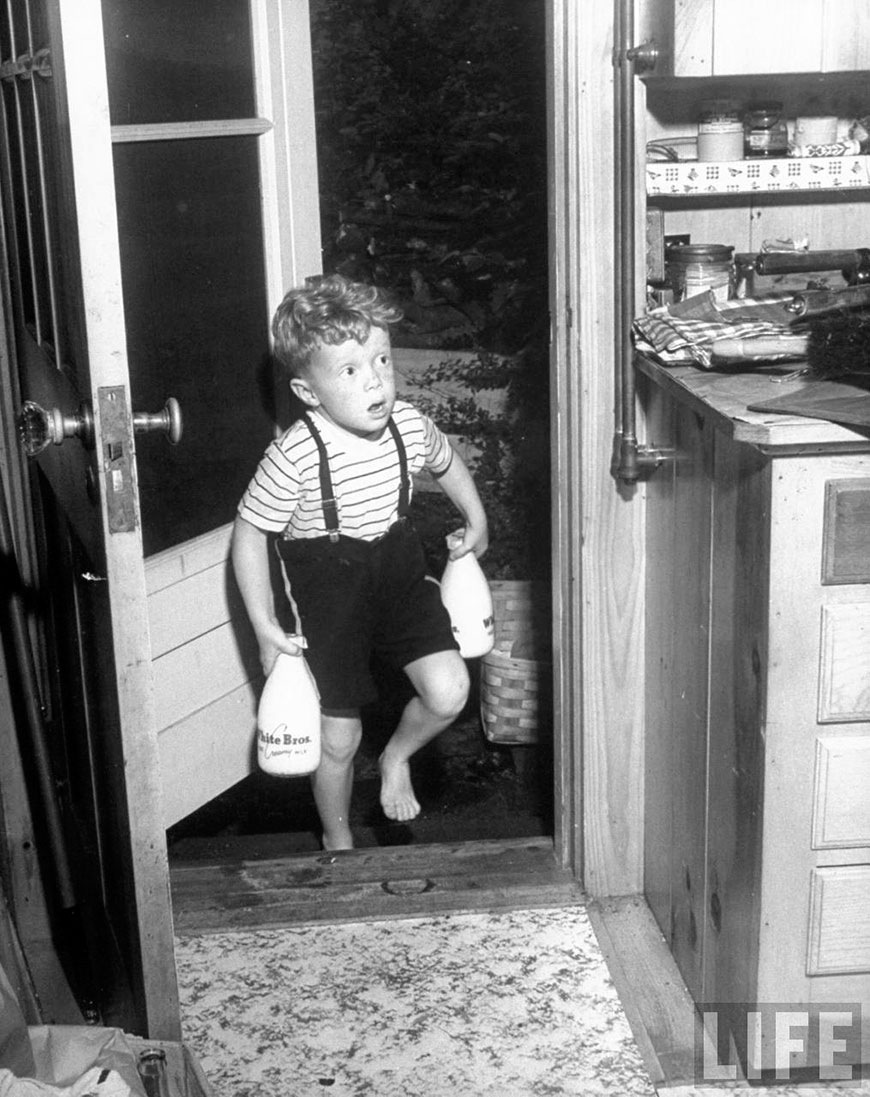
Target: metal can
[
  {"x": 720, "y": 130},
  {"x": 691, "y": 269},
  {"x": 764, "y": 130}
]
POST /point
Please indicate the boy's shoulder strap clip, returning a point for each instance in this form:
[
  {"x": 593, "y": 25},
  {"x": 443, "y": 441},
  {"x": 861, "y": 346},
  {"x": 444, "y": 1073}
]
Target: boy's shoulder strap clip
[{"x": 327, "y": 494}]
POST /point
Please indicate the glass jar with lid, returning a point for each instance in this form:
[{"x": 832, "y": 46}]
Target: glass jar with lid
[
  {"x": 695, "y": 268},
  {"x": 720, "y": 130},
  {"x": 764, "y": 130}
]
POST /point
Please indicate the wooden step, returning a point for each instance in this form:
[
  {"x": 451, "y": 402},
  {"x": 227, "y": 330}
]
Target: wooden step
[{"x": 369, "y": 884}]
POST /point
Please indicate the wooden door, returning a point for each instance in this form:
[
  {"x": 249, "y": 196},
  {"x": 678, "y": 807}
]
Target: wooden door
[
  {"x": 212, "y": 116},
  {"x": 70, "y": 347},
  {"x": 74, "y": 223}
]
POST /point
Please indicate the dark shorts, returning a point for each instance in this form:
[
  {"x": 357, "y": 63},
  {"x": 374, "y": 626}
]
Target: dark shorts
[{"x": 355, "y": 599}]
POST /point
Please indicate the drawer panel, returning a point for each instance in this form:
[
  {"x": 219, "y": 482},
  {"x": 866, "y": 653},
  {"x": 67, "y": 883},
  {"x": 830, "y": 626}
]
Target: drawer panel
[
  {"x": 841, "y": 802},
  {"x": 839, "y": 932},
  {"x": 844, "y": 675},
  {"x": 846, "y": 545}
]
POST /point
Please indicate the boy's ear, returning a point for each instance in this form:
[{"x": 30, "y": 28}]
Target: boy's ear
[{"x": 300, "y": 388}]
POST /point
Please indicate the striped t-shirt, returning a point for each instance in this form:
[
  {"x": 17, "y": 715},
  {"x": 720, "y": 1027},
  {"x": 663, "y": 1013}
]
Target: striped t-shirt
[{"x": 284, "y": 496}]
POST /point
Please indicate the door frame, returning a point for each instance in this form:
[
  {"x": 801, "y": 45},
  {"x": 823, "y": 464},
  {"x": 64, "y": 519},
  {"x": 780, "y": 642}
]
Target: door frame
[{"x": 597, "y": 526}]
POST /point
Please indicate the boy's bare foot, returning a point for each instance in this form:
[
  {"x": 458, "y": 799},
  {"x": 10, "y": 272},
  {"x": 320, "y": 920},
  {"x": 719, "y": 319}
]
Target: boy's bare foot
[
  {"x": 332, "y": 845},
  {"x": 397, "y": 793},
  {"x": 337, "y": 837}
]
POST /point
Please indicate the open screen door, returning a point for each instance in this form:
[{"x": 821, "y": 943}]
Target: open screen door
[{"x": 159, "y": 184}]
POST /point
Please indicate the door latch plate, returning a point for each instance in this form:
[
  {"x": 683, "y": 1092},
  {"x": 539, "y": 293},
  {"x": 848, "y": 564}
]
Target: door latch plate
[{"x": 116, "y": 434}]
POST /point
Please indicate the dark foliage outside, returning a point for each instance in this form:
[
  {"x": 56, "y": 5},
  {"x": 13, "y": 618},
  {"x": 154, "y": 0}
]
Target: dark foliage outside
[{"x": 432, "y": 163}]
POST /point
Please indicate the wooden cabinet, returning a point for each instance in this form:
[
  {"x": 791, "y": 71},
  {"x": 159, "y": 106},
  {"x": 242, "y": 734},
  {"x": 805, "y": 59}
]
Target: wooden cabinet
[
  {"x": 757, "y": 736},
  {"x": 758, "y": 700},
  {"x": 732, "y": 37}
]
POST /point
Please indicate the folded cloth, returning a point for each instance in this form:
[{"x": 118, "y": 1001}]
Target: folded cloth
[
  {"x": 96, "y": 1082},
  {"x": 685, "y": 332}
]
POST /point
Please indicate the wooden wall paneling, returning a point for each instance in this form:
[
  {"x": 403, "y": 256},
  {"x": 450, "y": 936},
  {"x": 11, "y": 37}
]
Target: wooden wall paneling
[
  {"x": 746, "y": 223},
  {"x": 753, "y": 37},
  {"x": 689, "y": 620},
  {"x": 738, "y": 653},
  {"x": 831, "y": 220},
  {"x": 726, "y": 223},
  {"x": 206, "y": 673},
  {"x": 683, "y": 32},
  {"x": 693, "y": 37},
  {"x": 564, "y": 200},
  {"x": 196, "y": 765},
  {"x": 846, "y": 38},
  {"x": 192, "y": 676},
  {"x": 661, "y": 596},
  {"x": 605, "y": 543}
]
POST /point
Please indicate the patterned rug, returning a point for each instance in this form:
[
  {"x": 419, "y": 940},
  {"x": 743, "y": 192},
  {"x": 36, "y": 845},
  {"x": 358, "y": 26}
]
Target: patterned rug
[{"x": 509, "y": 1004}]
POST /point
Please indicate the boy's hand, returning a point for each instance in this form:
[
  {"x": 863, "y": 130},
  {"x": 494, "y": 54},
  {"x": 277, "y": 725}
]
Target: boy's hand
[
  {"x": 470, "y": 538},
  {"x": 277, "y": 642}
]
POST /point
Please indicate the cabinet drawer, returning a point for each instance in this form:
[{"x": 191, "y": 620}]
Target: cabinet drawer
[
  {"x": 839, "y": 932},
  {"x": 841, "y": 805},
  {"x": 844, "y": 673},
  {"x": 846, "y": 544}
]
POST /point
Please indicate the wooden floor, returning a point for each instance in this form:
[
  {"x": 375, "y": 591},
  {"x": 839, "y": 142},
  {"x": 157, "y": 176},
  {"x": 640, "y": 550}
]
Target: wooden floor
[{"x": 368, "y": 884}]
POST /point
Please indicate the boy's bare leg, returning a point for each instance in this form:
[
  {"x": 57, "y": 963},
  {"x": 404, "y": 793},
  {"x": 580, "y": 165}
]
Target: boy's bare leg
[
  {"x": 441, "y": 682},
  {"x": 332, "y": 782}
]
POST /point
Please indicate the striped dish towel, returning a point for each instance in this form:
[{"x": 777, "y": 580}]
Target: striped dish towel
[{"x": 685, "y": 332}]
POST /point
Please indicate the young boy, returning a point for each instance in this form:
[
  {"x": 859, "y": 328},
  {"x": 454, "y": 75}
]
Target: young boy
[{"x": 336, "y": 488}]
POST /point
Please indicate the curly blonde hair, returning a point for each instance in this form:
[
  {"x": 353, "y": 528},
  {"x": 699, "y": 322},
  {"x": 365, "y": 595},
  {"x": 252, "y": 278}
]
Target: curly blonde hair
[{"x": 329, "y": 310}]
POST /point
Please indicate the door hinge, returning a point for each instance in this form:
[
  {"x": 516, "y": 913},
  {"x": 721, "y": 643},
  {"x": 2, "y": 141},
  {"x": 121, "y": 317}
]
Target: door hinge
[{"x": 26, "y": 65}]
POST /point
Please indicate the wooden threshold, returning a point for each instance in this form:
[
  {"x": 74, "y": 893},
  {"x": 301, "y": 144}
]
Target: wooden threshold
[
  {"x": 658, "y": 1006},
  {"x": 369, "y": 884}
]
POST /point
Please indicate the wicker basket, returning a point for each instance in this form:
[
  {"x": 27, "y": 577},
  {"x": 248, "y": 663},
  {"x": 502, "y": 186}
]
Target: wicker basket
[{"x": 515, "y": 677}]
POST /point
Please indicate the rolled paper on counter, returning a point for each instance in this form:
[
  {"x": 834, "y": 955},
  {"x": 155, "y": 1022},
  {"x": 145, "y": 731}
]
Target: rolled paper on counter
[{"x": 761, "y": 347}]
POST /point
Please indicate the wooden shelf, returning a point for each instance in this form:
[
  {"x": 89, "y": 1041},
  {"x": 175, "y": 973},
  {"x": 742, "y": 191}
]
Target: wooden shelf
[{"x": 692, "y": 178}]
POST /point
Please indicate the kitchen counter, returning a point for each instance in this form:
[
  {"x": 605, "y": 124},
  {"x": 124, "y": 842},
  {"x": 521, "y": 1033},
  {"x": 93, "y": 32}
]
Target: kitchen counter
[
  {"x": 757, "y": 731},
  {"x": 728, "y": 394}
]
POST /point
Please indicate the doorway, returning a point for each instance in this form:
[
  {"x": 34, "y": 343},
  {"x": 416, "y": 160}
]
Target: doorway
[
  {"x": 261, "y": 134},
  {"x": 431, "y": 152}
]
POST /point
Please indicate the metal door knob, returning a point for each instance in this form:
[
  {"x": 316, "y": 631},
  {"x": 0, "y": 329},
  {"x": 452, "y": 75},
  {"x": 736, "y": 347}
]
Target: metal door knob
[
  {"x": 168, "y": 420},
  {"x": 39, "y": 427}
]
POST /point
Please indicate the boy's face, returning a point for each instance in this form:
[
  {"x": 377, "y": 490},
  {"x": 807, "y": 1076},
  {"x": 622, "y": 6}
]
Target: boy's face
[{"x": 351, "y": 384}]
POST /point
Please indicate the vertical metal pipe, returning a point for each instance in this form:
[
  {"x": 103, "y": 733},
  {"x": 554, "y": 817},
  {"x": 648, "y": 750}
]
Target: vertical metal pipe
[
  {"x": 627, "y": 467},
  {"x": 630, "y": 457}
]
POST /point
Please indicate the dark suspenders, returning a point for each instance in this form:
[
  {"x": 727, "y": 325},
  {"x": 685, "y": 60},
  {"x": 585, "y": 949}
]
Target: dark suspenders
[{"x": 330, "y": 508}]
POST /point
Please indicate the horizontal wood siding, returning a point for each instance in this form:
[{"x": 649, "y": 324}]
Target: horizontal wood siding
[{"x": 206, "y": 673}]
